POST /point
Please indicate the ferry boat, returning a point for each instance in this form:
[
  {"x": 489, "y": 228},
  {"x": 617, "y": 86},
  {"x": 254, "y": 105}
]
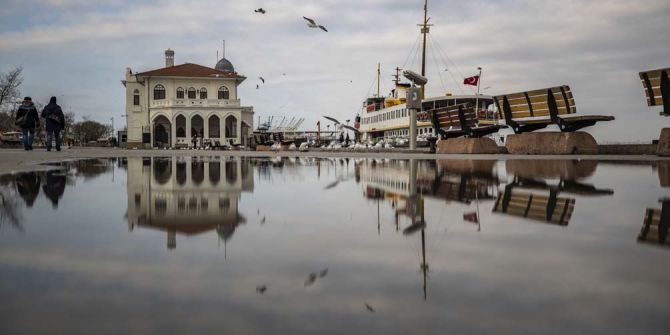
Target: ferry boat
[{"x": 387, "y": 117}]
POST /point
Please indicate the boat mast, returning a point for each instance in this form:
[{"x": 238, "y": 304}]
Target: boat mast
[
  {"x": 378, "y": 77},
  {"x": 424, "y": 31}
]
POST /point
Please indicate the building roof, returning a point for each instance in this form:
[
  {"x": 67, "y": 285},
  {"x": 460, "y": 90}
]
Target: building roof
[{"x": 190, "y": 70}]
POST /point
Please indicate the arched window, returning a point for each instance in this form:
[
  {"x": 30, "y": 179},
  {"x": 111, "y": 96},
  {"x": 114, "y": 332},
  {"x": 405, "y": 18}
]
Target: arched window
[
  {"x": 181, "y": 126},
  {"x": 191, "y": 93},
  {"x": 231, "y": 127},
  {"x": 224, "y": 93},
  {"x": 203, "y": 93},
  {"x": 180, "y": 93},
  {"x": 136, "y": 97},
  {"x": 159, "y": 92}
]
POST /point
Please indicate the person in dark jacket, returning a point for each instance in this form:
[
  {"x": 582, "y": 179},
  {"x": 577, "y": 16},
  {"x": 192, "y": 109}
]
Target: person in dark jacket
[
  {"x": 27, "y": 119},
  {"x": 54, "y": 186},
  {"x": 55, "y": 122},
  {"x": 28, "y": 186}
]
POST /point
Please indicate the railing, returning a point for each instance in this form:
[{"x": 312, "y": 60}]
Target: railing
[{"x": 195, "y": 102}]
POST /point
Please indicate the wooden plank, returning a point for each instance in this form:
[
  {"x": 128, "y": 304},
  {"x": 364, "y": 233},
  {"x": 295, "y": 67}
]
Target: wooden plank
[
  {"x": 655, "y": 82},
  {"x": 655, "y": 73},
  {"x": 657, "y": 92}
]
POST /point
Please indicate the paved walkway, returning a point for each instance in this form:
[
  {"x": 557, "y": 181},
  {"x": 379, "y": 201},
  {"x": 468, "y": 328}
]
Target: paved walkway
[{"x": 13, "y": 160}]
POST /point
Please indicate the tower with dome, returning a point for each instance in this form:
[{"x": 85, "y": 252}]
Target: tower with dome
[{"x": 186, "y": 105}]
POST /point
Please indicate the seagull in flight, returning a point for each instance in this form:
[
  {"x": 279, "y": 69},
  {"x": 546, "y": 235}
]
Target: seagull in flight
[
  {"x": 260, "y": 10},
  {"x": 257, "y": 87},
  {"x": 262, "y": 79},
  {"x": 312, "y": 24}
]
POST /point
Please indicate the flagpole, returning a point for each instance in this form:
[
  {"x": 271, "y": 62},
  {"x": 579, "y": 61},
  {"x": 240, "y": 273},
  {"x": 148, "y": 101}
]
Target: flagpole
[{"x": 479, "y": 82}]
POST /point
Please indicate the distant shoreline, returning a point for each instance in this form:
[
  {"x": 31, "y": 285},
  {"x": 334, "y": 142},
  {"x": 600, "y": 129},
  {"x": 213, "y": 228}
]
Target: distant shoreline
[{"x": 17, "y": 160}]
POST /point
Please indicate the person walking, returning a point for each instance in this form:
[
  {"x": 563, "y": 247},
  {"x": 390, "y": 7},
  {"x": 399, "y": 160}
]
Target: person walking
[
  {"x": 27, "y": 119},
  {"x": 55, "y": 122}
]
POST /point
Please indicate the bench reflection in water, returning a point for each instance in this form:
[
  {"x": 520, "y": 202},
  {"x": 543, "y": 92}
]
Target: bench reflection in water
[
  {"x": 656, "y": 225},
  {"x": 529, "y": 195}
]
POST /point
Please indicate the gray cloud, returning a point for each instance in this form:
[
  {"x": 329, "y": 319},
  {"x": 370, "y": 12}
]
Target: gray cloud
[{"x": 79, "y": 50}]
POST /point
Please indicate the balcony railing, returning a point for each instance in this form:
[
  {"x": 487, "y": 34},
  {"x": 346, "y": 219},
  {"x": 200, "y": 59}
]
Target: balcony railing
[{"x": 195, "y": 103}]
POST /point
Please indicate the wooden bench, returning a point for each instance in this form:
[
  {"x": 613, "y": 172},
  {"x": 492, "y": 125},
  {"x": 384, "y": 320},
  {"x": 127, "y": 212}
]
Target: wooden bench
[
  {"x": 657, "y": 88},
  {"x": 533, "y": 110},
  {"x": 551, "y": 208},
  {"x": 460, "y": 120},
  {"x": 656, "y": 225}
]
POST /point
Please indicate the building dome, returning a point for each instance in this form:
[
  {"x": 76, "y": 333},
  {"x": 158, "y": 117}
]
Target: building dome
[{"x": 224, "y": 65}]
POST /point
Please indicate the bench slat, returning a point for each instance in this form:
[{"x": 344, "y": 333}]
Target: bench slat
[{"x": 654, "y": 73}]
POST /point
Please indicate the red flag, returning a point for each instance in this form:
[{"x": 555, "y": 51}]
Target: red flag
[
  {"x": 473, "y": 81},
  {"x": 471, "y": 217}
]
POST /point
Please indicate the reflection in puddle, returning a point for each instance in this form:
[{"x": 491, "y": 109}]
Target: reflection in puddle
[
  {"x": 186, "y": 202},
  {"x": 334, "y": 245}
]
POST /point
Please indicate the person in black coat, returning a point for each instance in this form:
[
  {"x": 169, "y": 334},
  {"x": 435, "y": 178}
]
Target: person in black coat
[
  {"x": 54, "y": 186},
  {"x": 55, "y": 122},
  {"x": 28, "y": 186},
  {"x": 27, "y": 119}
]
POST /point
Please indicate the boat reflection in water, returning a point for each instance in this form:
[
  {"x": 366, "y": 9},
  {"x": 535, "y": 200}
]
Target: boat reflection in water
[
  {"x": 530, "y": 194},
  {"x": 187, "y": 195},
  {"x": 407, "y": 183}
]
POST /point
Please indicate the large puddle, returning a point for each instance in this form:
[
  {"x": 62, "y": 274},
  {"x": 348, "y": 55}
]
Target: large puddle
[{"x": 359, "y": 246}]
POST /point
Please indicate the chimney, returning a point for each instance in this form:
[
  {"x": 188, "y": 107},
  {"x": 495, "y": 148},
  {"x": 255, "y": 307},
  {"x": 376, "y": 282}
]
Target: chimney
[{"x": 169, "y": 58}]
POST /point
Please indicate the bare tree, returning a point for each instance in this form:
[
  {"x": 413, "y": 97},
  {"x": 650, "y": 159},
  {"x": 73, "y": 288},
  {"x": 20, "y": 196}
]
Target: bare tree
[{"x": 9, "y": 84}]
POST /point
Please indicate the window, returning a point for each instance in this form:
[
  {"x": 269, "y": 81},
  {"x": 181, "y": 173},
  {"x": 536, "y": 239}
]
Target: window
[
  {"x": 191, "y": 93},
  {"x": 203, "y": 93},
  {"x": 224, "y": 93},
  {"x": 180, "y": 93},
  {"x": 136, "y": 97},
  {"x": 159, "y": 92}
]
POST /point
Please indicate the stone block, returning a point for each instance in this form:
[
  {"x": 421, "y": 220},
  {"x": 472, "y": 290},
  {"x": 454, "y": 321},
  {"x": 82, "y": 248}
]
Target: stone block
[
  {"x": 663, "y": 148},
  {"x": 464, "y": 145},
  {"x": 552, "y": 143},
  {"x": 569, "y": 169}
]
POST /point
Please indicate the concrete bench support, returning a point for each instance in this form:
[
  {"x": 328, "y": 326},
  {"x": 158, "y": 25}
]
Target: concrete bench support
[
  {"x": 664, "y": 143},
  {"x": 462, "y": 145},
  {"x": 552, "y": 143}
]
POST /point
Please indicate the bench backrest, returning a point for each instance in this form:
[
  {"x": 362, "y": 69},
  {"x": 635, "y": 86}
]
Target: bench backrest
[
  {"x": 551, "y": 102},
  {"x": 445, "y": 117},
  {"x": 552, "y": 209},
  {"x": 657, "y": 88}
]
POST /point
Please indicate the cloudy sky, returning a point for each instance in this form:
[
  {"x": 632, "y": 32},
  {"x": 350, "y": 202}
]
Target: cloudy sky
[{"x": 78, "y": 50}]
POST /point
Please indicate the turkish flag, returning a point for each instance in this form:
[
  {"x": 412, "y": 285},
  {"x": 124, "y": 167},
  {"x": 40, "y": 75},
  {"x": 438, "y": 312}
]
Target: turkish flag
[
  {"x": 471, "y": 217},
  {"x": 473, "y": 81}
]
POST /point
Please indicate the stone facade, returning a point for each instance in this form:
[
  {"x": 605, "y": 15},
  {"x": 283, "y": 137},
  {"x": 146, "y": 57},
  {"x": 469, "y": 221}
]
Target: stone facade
[{"x": 184, "y": 106}]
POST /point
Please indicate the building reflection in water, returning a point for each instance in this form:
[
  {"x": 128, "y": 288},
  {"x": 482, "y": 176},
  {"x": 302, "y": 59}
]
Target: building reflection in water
[
  {"x": 187, "y": 195},
  {"x": 656, "y": 225},
  {"x": 530, "y": 195}
]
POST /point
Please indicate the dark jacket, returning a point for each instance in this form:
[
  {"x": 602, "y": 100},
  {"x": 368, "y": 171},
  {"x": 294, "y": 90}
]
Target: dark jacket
[
  {"x": 33, "y": 119},
  {"x": 53, "y": 116}
]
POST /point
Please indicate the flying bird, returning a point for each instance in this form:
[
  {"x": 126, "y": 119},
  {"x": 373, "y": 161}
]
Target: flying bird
[
  {"x": 323, "y": 273},
  {"x": 262, "y": 79},
  {"x": 312, "y": 24},
  {"x": 369, "y": 308},
  {"x": 310, "y": 279},
  {"x": 261, "y": 289},
  {"x": 257, "y": 87},
  {"x": 260, "y": 10},
  {"x": 263, "y": 220}
]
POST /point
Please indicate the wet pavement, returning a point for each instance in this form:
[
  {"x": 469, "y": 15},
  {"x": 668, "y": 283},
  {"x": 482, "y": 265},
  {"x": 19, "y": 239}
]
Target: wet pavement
[{"x": 251, "y": 245}]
